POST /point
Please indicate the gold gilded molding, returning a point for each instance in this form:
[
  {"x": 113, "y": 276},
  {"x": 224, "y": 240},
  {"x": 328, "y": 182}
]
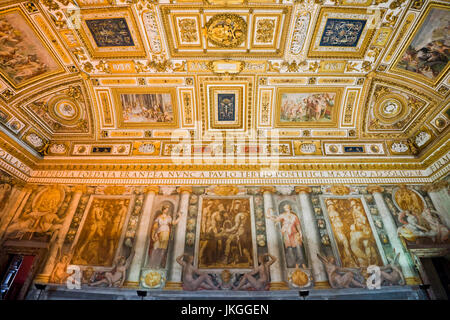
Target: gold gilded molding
[
  {"x": 303, "y": 189},
  {"x": 408, "y": 21}
]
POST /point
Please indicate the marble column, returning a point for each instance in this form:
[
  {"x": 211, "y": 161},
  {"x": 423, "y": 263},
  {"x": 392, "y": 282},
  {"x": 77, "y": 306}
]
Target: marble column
[
  {"x": 311, "y": 233},
  {"x": 391, "y": 229},
  {"x": 438, "y": 193},
  {"x": 175, "y": 269},
  {"x": 57, "y": 245},
  {"x": 274, "y": 244},
  {"x": 15, "y": 209},
  {"x": 141, "y": 237}
]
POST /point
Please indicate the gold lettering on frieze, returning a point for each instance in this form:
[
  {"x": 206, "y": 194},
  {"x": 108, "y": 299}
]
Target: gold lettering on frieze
[
  {"x": 336, "y": 80},
  {"x": 117, "y": 81},
  {"x": 334, "y": 133},
  {"x": 122, "y": 67}
]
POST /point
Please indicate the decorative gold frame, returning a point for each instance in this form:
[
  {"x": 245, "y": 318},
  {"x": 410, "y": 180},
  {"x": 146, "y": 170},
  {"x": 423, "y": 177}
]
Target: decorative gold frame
[
  {"x": 418, "y": 26},
  {"x": 337, "y": 107},
  {"x": 44, "y": 44},
  {"x": 314, "y": 53},
  {"x": 396, "y": 117},
  {"x": 213, "y": 91},
  {"x": 175, "y": 25},
  {"x": 112, "y": 52},
  {"x": 144, "y": 125}
]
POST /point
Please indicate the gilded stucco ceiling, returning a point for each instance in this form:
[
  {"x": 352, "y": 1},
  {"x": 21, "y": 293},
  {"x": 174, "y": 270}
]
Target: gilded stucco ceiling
[{"x": 214, "y": 85}]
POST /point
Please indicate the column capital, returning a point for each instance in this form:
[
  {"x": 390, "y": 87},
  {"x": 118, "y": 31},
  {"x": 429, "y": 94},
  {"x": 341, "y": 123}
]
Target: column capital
[
  {"x": 30, "y": 187},
  {"x": 303, "y": 189},
  {"x": 375, "y": 189},
  {"x": 19, "y": 184},
  {"x": 149, "y": 189},
  {"x": 182, "y": 189},
  {"x": 340, "y": 190},
  {"x": 79, "y": 188},
  {"x": 268, "y": 189}
]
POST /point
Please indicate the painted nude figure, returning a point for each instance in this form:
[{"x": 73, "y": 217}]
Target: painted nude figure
[
  {"x": 116, "y": 277},
  {"x": 193, "y": 279},
  {"x": 340, "y": 277},
  {"x": 249, "y": 280}
]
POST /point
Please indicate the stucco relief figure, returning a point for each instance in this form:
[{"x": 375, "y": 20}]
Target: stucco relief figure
[
  {"x": 433, "y": 220},
  {"x": 160, "y": 235},
  {"x": 193, "y": 279},
  {"x": 225, "y": 234},
  {"x": 339, "y": 277},
  {"x": 259, "y": 278},
  {"x": 292, "y": 235},
  {"x": 115, "y": 277},
  {"x": 42, "y": 217}
]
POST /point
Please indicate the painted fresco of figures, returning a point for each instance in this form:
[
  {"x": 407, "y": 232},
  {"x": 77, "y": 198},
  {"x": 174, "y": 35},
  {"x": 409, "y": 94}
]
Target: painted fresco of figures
[
  {"x": 225, "y": 234},
  {"x": 259, "y": 278},
  {"x": 416, "y": 222},
  {"x": 99, "y": 238},
  {"x": 161, "y": 234},
  {"x": 193, "y": 279},
  {"x": 5, "y": 189},
  {"x": 292, "y": 235},
  {"x": 354, "y": 237},
  {"x": 339, "y": 277},
  {"x": 41, "y": 217},
  {"x": 116, "y": 276}
]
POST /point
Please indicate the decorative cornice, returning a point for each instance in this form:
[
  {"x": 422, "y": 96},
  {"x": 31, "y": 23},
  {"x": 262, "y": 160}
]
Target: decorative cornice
[
  {"x": 375, "y": 189},
  {"x": 303, "y": 189}
]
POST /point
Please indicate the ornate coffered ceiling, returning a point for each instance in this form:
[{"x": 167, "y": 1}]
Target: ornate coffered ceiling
[{"x": 337, "y": 85}]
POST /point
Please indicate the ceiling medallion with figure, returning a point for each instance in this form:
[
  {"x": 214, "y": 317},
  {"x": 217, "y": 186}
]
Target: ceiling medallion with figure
[{"x": 226, "y": 30}]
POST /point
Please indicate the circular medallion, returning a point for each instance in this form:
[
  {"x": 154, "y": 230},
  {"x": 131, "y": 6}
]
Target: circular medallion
[
  {"x": 64, "y": 110},
  {"x": 226, "y": 30},
  {"x": 390, "y": 108},
  {"x": 440, "y": 123}
]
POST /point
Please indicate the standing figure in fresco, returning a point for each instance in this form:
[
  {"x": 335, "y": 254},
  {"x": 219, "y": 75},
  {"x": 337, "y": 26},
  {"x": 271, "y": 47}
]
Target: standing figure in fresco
[
  {"x": 338, "y": 227},
  {"x": 4, "y": 189},
  {"x": 96, "y": 230},
  {"x": 237, "y": 236},
  {"x": 115, "y": 277},
  {"x": 341, "y": 277},
  {"x": 361, "y": 237},
  {"x": 436, "y": 226},
  {"x": 193, "y": 279},
  {"x": 162, "y": 227},
  {"x": 249, "y": 280},
  {"x": 212, "y": 246},
  {"x": 292, "y": 235}
]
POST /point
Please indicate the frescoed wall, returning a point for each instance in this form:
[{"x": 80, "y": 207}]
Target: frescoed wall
[{"x": 230, "y": 237}]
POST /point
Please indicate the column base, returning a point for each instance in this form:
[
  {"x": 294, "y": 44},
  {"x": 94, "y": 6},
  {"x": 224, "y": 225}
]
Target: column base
[
  {"x": 173, "y": 285},
  {"x": 274, "y": 286},
  {"x": 42, "y": 278},
  {"x": 131, "y": 284},
  {"x": 322, "y": 285},
  {"x": 413, "y": 281}
]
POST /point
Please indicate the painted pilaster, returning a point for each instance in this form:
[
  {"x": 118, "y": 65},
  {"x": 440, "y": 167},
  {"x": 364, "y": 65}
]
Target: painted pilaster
[
  {"x": 141, "y": 237},
  {"x": 16, "y": 190},
  {"x": 438, "y": 193},
  {"x": 174, "y": 273},
  {"x": 391, "y": 230},
  {"x": 57, "y": 245},
  {"x": 311, "y": 235},
  {"x": 274, "y": 244}
]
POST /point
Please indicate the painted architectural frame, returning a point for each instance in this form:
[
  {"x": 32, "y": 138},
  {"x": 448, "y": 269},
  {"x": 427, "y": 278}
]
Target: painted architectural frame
[
  {"x": 417, "y": 33},
  {"x": 36, "y": 62},
  {"x": 328, "y": 20},
  {"x": 168, "y": 95},
  {"x": 226, "y": 107},
  {"x": 328, "y": 117},
  {"x": 117, "y": 17}
]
